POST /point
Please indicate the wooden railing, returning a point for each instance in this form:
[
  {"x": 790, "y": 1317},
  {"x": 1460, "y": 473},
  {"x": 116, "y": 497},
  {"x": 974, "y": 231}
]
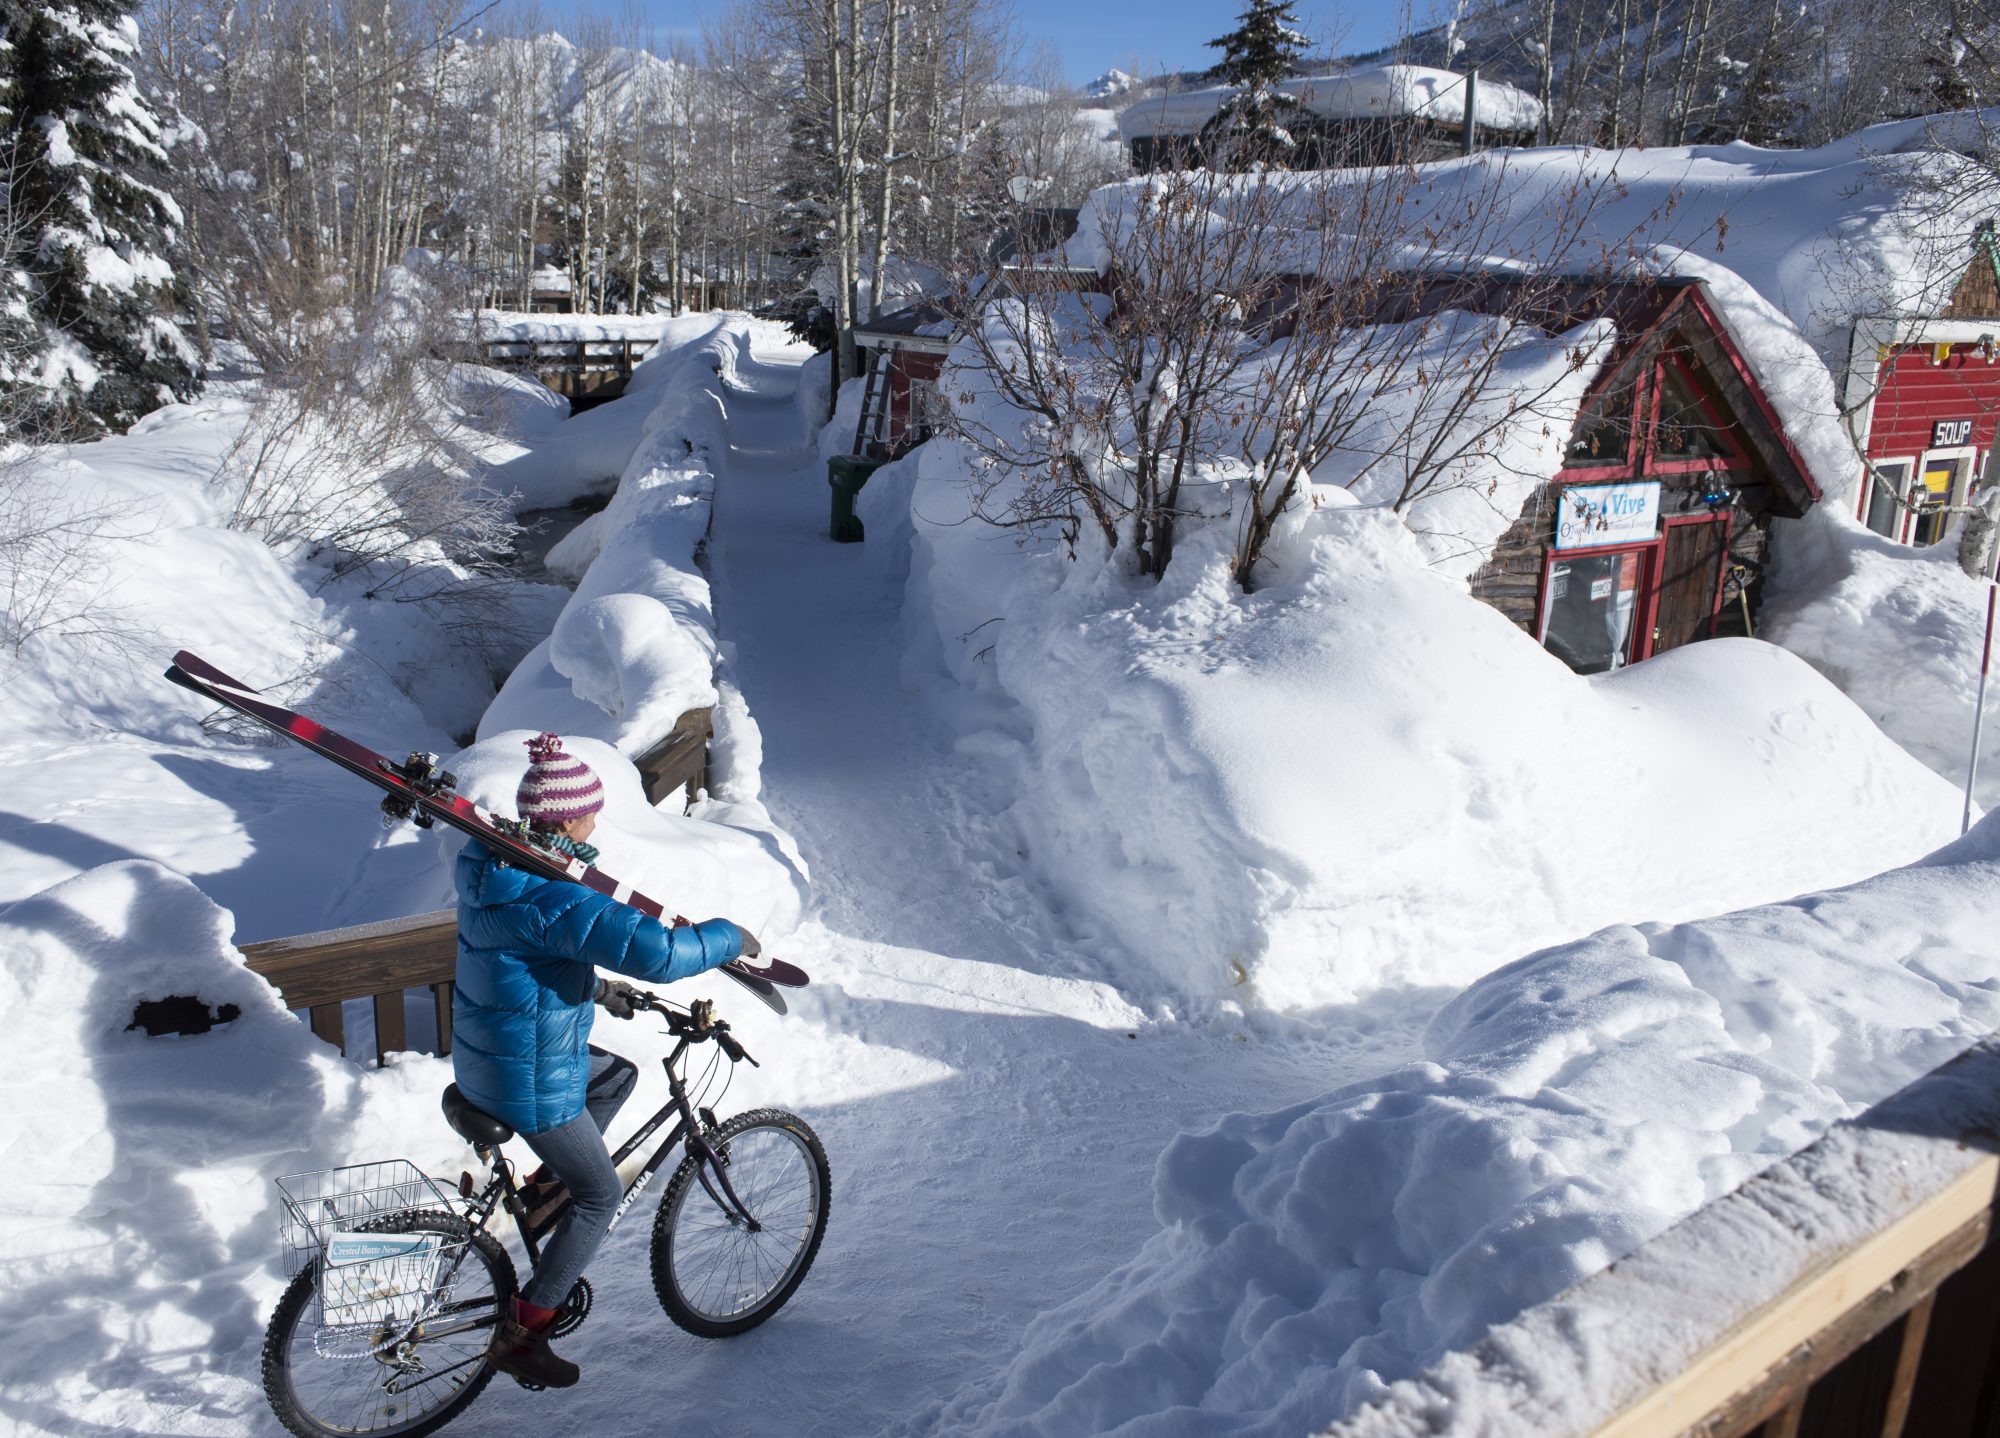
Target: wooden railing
[
  {"x": 575, "y": 367},
  {"x": 382, "y": 962},
  {"x": 1894, "y": 1333},
  {"x": 320, "y": 972}
]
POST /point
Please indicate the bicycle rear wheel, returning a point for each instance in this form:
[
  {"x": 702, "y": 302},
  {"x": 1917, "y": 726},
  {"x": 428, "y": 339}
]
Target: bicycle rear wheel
[
  {"x": 714, "y": 1276},
  {"x": 397, "y": 1382}
]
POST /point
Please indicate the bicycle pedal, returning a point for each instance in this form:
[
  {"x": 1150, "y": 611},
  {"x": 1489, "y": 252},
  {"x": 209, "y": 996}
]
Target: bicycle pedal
[{"x": 532, "y": 1387}]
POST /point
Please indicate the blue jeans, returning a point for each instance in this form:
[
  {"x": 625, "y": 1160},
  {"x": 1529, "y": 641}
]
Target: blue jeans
[{"x": 576, "y": 1154}]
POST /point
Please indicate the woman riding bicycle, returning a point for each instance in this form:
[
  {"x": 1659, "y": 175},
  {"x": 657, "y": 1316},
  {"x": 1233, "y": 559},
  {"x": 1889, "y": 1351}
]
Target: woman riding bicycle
[{"x": 528, "y": 949}]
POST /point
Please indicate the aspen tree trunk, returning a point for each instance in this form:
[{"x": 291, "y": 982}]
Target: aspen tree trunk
[{"x": 886, "y": 211}]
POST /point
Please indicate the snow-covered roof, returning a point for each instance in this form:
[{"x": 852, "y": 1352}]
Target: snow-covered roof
[{"x": 1385, "y": 92}]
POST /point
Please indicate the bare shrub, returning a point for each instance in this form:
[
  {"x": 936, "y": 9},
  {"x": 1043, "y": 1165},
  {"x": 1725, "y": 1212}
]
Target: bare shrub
[{"x": 1246, "y": 327}]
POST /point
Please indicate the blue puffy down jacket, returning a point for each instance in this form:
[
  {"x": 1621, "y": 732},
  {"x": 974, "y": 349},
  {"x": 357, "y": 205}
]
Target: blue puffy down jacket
[{"x": 521, "y": 1011}]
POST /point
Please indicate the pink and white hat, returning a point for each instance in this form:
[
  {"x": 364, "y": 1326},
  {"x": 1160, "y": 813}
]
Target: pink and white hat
[{"x": 557, "y": 786}]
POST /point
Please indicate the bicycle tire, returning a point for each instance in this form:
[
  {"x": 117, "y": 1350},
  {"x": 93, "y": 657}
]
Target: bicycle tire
[
  {"x": 716, "y": 1279},
  {"x": 289, "y": 1346}
]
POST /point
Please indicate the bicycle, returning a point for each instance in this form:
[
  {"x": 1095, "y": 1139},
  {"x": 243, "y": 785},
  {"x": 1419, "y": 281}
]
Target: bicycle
[{"x": 397, "y": 1285}]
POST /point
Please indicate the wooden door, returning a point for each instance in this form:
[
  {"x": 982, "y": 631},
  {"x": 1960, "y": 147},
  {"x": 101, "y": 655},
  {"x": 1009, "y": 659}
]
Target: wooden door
[{"x": 1690, "y": 578}]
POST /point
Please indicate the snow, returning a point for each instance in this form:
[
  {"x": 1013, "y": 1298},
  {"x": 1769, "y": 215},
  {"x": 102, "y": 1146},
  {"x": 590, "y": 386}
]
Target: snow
[
  {"x": 1901, "y": 631},
  {"x": 1194, "y": 918},
  {"x": 1562, "y": 1110},
  {"x": 105, "y": 761},
  {"x": 635, "y": 646},
  {"x": 1360, "y": 776},
  {"x": 1383, "y": 92}
]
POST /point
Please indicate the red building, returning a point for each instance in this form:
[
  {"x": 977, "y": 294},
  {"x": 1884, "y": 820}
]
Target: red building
[
  {"x": 1653, "y": 534},
  {"x": 1922, "y": 397}
]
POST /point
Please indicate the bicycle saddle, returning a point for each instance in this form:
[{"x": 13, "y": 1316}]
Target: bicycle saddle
[{"x": 472, "y": 1124}]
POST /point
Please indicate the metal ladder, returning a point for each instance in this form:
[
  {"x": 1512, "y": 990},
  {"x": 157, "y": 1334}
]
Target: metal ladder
[{"x": 874, "y": 404}]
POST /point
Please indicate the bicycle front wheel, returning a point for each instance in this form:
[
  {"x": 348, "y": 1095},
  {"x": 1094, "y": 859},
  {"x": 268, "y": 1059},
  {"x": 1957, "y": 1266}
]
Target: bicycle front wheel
[
  {"x": 396, "y": 1379},
  {"x": 715, "y": 1275}
]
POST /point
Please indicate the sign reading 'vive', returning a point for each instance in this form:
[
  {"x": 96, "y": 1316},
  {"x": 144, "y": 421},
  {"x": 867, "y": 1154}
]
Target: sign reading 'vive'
[{"x": 1588, "y": 515}]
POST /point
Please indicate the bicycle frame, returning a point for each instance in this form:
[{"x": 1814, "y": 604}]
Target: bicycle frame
[{"x": 501, "y": 1190}]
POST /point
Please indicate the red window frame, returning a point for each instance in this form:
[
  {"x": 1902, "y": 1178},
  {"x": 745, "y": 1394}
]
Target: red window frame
[
  {"x": 1733, "y": 459},
  {"x": 1653, "y": 553}
]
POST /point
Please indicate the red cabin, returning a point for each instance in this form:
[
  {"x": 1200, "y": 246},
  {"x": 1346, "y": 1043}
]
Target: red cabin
[
  {"x": 1922, "y": 398},
  {"x": 1654, "y": 532}
]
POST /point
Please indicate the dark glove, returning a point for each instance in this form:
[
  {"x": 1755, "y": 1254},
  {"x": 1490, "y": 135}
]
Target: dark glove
[
  {"x": 620, "y": 1000},
  {"x": 751, "y": 948}
]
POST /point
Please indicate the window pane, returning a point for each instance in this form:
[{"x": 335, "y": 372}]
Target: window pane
[
  {"x": 1588, "y": 611},
  {"x": 1601, "y": 436},
  {"x": 1885, "y": 516},
  {"x": 1684, "y": 431}
]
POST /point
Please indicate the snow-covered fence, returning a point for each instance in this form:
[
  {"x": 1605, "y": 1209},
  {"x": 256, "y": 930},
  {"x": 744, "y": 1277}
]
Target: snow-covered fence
[
  {"x": 379, "y": 962},
  {"x": 1846, "y": 1291},
  {"x": 580, "y": 368}
]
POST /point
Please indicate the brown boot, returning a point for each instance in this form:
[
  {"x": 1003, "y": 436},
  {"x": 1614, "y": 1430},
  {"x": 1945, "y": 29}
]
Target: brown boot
[{"x": 520, "y": 1347}]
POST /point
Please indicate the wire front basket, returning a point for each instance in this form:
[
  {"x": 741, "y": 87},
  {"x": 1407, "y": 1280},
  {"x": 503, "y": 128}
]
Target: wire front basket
[{"x": 377, "y": 1270}]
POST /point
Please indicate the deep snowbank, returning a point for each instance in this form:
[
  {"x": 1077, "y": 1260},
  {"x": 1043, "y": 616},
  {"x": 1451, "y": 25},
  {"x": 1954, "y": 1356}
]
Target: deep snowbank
[
  {"x": 101, "y": 759},
  {"x": 1566, "y": 1108},
  {"x": 635, "y": 646},
  {"x": 1900, "y": 630},
  {"x": 1361, "y": 778}
]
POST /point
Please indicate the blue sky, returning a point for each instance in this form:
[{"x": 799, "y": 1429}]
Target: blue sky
[{"x": 1152, "y": 35}]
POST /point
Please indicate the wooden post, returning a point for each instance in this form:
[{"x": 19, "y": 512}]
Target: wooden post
[
  {"x": 441, "y": 1001},
  {"x": 391, "y": 1032}
]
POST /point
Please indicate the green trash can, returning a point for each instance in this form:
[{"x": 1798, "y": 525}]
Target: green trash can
[{"x": 846, "y": 473}]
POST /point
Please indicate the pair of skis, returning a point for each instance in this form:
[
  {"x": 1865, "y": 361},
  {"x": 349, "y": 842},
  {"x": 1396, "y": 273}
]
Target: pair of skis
[{"x": 418, "y": 790}]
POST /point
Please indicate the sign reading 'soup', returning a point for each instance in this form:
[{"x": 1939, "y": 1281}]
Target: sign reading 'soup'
[{"x": 1589, "y": 515}]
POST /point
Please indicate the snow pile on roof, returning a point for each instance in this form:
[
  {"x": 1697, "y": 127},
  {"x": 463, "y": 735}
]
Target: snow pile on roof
[
  {"x": 1386, "y": 92},
  {"x": 1899, "y": 629},
  {"x": 1793, "y": 244},
  {"x": 1359, "y": 777},
  {"x": 1564, "y": 1109}
]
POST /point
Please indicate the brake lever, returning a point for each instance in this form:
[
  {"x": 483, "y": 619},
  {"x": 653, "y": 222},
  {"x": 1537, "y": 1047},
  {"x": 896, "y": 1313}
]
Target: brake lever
[{"x": 735, "y": 1050}]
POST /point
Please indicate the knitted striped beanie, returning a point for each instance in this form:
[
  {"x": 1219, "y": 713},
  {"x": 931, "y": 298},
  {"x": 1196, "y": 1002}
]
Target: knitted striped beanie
[{"x": 557, "y": 786}]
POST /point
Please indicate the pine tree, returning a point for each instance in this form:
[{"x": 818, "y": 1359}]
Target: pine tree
[
  {"x": 88, "y": 233},
  {"x": 1253, "y": 126}
]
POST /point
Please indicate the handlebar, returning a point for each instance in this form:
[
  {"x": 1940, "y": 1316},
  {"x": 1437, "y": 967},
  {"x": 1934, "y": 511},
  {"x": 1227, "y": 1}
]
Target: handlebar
[{"x": 697, "y": 1025}]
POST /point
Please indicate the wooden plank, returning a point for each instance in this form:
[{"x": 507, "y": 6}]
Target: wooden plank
[
  {"x": 1833, "y": 1357},
  {"x": 679, "y": 761},
  {"x": 441, "y": 1000},
  {"x": 1786, "y": 1424},
  {"x": 1793, "y": 1330},
  {"x": 391, "y": 1030},
  {"x": 1916, "y": 1327},
  {"x": 328, "y": 1024},
  {"x": 310, "y": 970}
]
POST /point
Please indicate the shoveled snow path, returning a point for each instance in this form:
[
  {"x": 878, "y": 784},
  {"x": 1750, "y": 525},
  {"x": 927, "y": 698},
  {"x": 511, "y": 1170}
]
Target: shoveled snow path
[{"x": 992, "y": 1117}]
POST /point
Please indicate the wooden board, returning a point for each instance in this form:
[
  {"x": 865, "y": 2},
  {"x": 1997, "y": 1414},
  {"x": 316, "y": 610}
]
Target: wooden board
[{"x": 1949, "y": 1227}]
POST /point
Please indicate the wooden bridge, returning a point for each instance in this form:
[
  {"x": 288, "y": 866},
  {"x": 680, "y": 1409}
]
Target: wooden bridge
[{"x": 586, "y": 371}]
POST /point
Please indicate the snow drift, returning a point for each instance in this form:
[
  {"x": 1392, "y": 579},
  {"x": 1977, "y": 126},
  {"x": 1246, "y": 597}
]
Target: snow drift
[
  {"x": 1564, "y": 1109},
  {"x": 1360, "y": 777}
]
